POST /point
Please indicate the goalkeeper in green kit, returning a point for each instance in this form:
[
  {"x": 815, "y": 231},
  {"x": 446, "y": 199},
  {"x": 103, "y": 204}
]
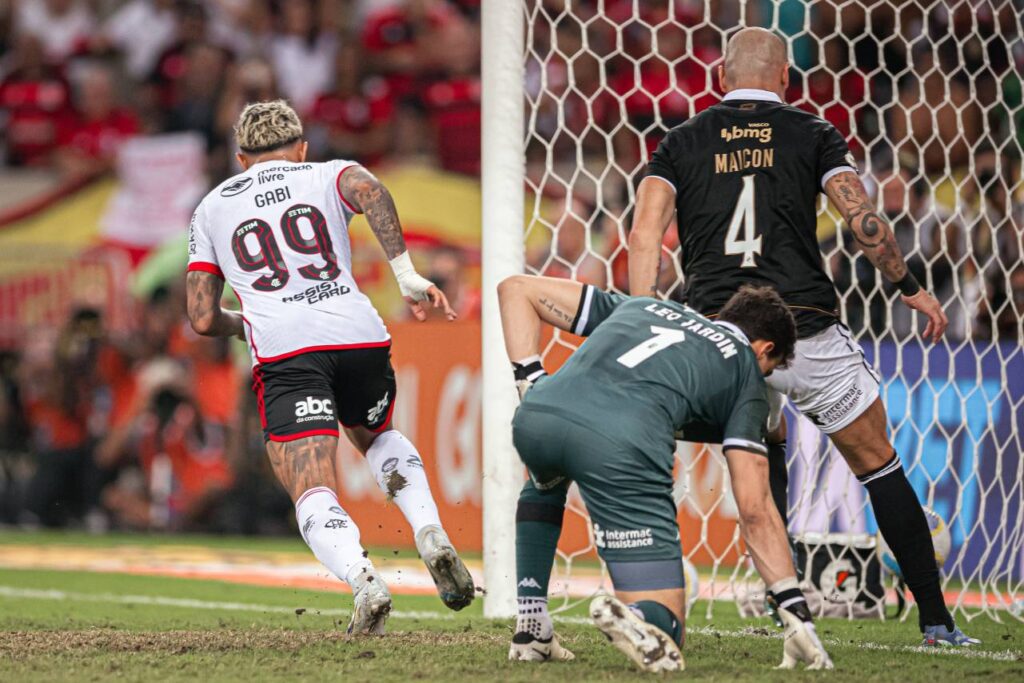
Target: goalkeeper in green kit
[{"x": 608, "y": 420}]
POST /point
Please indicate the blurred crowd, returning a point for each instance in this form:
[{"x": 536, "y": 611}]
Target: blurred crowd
[
  {"x": 148, "y": 430},
  {"x": 928, "y": 95},
  {"x": 153, "y": 427},
  {"x": 373, "y": 79}
]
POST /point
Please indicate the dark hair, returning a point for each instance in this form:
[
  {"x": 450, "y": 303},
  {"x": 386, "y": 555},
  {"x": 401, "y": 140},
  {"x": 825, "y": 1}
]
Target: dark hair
[{"x": 761, "y": 314}]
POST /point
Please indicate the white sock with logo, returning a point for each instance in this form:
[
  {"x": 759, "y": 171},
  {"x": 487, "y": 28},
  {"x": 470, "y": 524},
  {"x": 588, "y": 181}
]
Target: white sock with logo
[
  {"x": 533, "y": 618},
  {"x": 330, "y": 533},
  {"x": 398, "y": 468}
]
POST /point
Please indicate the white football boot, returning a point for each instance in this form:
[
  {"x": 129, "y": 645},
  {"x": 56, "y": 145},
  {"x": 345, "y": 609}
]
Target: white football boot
[
  {"x": 801, "y": 644},
  {"x": 645, "y": 644},
  {"x": 454, "y": 582},
  {"x": 528, "y": 648},
  {"x": 371, "y": 604}
]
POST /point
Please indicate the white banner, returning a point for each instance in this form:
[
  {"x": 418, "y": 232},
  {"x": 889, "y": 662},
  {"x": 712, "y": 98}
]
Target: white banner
[{"x": 161, "y": 180}]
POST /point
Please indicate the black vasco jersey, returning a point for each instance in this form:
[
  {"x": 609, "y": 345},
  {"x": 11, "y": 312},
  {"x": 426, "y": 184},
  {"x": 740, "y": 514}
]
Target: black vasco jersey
[{"x": 747, "y": 173}]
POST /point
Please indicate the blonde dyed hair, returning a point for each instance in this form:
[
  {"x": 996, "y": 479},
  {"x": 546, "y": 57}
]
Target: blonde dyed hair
[{"x": 264, "y": 126}]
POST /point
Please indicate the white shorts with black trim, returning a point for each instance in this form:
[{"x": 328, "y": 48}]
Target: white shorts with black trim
[{"x": 828, "y": 380}]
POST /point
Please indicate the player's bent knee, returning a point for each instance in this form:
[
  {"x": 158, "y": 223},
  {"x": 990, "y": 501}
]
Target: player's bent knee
[
  {"x": 510, "y": 285},
  {"x": 362, "y": 438},
  {"x": 647, "y": 575},
  {"x": 550, "y": 499}
]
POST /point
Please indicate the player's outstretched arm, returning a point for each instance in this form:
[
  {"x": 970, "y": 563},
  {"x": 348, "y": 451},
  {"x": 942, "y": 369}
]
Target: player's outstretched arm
[
  {"x": 362, "y": 190},
  {"x": 873, "y": 234},
  {"x": 528, "y": 301},
  {"x": 760, "y": 523},
  {"x": 655, "y": 204},
  {"x": 203, "y": 293}
]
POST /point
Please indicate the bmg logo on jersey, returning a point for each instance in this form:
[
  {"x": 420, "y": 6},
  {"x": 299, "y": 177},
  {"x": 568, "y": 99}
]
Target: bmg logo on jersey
[
  {"x": 314, "y": 409},
  {"x": 761, "y": 132}
]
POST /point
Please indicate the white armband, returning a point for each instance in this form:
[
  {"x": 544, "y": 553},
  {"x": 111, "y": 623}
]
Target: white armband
[{"x": 410, "y": 283}]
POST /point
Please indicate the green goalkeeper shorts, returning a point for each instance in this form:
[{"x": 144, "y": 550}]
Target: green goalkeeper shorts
[{"x": 628, "y": 494}]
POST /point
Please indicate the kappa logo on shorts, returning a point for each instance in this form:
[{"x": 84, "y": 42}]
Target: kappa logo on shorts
[
  {"x": 374, "y": 413},
  {"x": 622, "y": 539},
  {"x": 312, "y": 409}
]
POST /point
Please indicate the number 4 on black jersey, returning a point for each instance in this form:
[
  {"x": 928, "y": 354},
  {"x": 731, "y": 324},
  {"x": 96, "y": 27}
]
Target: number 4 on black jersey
[{"x": 747, "y": 173}]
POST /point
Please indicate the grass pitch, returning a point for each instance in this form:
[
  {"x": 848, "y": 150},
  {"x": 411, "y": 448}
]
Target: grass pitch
[{"x": 64, "y": 625}]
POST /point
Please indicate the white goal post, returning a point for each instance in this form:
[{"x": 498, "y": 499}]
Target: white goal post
[
  {"x": 575, "y": 95},
  {"x": 502, "y": 249}
]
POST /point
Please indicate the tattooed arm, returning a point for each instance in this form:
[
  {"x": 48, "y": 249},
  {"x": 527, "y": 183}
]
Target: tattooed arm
[
  {"x": 655, "y": 204},
  {"x": 365, "y": 193},
  {"x": 871, "y": 231},
  {"x": 528, "y": 301},
  {"x": 203, "y": 305},
  {"x": 876, "y": 240}
]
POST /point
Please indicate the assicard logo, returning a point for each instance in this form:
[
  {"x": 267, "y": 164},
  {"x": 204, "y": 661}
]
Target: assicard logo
[
  {"x": 237, "y": 187},
  {"x": 761, "y": 132}
]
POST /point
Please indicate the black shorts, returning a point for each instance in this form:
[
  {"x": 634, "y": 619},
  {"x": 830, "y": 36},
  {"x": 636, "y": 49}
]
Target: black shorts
[{"x": 308, "y": 394}]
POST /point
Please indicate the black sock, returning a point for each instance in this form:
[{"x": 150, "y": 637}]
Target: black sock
[
  {"x": 538, "y": 527},
  {"x": 905, "y": 528},
  {"x": 778, "y": 478},
  {"x": 787, "y": 594},
  {"x": 658, "y": 615}
]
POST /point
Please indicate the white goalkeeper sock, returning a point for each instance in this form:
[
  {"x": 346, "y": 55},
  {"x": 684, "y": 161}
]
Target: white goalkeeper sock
[
  {"x": 330, "y": 533},
  {"x": 533, "y": 618},
  {"x": 398, "y": 468}
]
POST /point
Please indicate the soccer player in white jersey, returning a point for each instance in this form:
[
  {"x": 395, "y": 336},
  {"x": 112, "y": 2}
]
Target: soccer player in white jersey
[{"x": 277, "y": 233}]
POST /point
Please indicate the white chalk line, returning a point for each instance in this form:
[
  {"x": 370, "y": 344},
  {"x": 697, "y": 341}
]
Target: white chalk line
[{"x": 190, "y": 603}]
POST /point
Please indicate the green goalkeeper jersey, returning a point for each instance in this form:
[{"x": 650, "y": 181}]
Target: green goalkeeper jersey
[{"x": 651, "y": 371}]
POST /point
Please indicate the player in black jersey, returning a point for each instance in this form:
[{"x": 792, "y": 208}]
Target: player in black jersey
[{"x": 742, "y": 179}]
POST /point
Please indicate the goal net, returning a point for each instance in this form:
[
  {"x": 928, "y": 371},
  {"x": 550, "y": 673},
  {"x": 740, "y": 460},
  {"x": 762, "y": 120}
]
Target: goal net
[{"x": 929, "y": 97}]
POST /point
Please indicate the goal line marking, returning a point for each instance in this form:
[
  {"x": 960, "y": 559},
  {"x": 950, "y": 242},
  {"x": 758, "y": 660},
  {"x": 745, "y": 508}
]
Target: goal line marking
[{"x": 191, "y": 603}]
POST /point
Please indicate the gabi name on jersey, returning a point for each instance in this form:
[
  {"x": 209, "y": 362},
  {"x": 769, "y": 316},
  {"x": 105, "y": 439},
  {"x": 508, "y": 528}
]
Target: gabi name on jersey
[{"x": 726, "y": 346}]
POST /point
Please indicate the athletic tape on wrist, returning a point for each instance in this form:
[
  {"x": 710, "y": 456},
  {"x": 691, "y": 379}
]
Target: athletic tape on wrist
[{"x": 410, "y": 283}]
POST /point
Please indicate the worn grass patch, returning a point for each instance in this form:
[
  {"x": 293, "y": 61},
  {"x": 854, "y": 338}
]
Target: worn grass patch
[{"x": 88, "y": 626}]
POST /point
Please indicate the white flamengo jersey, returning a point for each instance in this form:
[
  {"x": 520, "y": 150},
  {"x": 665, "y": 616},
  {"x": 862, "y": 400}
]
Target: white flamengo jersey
[{"x": 278, "y": 234}]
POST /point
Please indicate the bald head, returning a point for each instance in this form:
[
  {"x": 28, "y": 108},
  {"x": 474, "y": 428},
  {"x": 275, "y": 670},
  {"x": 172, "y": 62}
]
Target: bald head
[{"x": 755, "y": 58}]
